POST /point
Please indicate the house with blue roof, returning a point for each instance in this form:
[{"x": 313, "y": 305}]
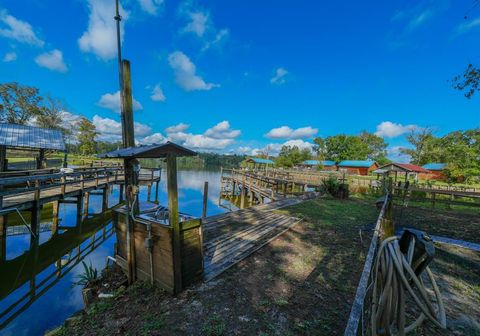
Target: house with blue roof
[
  {"x": 357, "y": 167},
  {"x": 314, "y": 164}
]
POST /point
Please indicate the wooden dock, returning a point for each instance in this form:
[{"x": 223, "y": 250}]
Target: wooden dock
[{"x": 231, "y": 237}]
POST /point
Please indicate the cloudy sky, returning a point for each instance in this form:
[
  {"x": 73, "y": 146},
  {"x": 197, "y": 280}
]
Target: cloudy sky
[{"x": 240, "y": 75}]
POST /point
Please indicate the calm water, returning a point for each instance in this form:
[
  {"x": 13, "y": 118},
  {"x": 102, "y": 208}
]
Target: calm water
[{"x": 42, "y": 297}]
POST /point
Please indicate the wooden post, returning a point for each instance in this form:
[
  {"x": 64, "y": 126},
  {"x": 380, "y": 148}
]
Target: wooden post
[
  {"x": 105, "y": 198},
  {"x": 128, "y": 133},
  {"x": 41, "y": 159},
  {"x": 156, "y": 191},
  {"x": 387, "y": 225},
  {"x": 173, "y": 218},
  {"x": 3, "y": 159},
  {"x": 205, "y": 200},
  {"x": 120, "y": 193},
  {"x": 86, "y": 201},
  {"x": 242, "y": 193},
  {"x": 55, "y": 220},
  {"x": 149, "y": 192}
]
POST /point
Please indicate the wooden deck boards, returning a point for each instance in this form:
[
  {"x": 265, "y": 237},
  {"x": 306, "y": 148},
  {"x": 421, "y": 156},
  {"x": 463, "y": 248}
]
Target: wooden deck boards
[{"x": 231, "y": 237}]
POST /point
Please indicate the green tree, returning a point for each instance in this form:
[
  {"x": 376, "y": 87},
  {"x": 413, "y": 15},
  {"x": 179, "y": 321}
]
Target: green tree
[
  {"x": 425, "y": 147},
  {"x": 87, "y": 133},
  {"x": 290, "y": 156},
  {"x": 18, "y": 103},
  {"x": 469, "y": 81},
  {"x": 345, "y": 147},
  {"x": 377, "y": 147}
]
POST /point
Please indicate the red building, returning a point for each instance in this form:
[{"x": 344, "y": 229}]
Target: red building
[{"x": 357, "y": 167}]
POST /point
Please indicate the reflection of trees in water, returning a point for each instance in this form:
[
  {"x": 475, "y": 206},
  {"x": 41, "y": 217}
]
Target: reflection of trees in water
[{"x": 63, "y": 251}]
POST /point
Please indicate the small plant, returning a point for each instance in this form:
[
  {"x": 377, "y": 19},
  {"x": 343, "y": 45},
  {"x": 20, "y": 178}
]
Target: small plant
[
  {"x": 89, "y": 274},
  {"x": 214, "y": 327}
]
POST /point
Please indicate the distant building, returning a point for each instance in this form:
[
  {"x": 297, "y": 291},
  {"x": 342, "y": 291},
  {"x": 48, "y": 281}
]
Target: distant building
[
  {"x": 314, "y": 164},
  {"x": 405, "y": 170},
  {"x": 357, "y": 167},
  {"x": 259, "y": 163},
  {"x": 436, "y": 170},
  {"x": 25, "y": 138}
]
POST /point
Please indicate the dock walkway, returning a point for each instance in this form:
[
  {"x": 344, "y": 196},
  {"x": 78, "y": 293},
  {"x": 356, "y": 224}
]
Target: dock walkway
[{"x": 231, "y": 237}]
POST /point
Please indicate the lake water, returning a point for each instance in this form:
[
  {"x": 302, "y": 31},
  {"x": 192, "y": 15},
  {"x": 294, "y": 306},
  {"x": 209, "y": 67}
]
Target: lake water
[{"x": 36, "y": 279}]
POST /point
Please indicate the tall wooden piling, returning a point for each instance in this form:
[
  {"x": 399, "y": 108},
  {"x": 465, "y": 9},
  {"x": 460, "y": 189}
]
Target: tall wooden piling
[
  {"x": 205, "y": 200},
  {"x": 173, "y": 219},
  {"x": 55, "y": 217}
]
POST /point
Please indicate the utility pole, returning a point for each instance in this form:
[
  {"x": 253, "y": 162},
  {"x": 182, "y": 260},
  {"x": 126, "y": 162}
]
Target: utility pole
[{"x": 118, "y": 19}]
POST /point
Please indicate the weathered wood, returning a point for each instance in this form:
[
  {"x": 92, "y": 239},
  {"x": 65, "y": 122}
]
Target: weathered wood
[
  {"x": 173, "y": 219},
  {"x": 205, "y": 199},
  {"x": 128, "y": 129}
]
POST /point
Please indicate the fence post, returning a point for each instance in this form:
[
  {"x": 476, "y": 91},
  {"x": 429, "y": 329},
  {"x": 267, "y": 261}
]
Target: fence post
[{"x": 205, "y": 199}]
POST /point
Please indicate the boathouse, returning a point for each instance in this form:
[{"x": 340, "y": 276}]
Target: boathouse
[
  {"x": 436, "y": 170},
  {"x": 405, "y": 170},
  {"x": 34, "y": 141},
  {"x": 154, "y": 242},
  {"x": 259, "y": 163},
  {"x": 357, "y": 167}
]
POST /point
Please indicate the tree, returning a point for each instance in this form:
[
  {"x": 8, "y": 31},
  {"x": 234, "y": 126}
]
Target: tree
[
  {"x": 377, "y": 147},
  {"x": 87, "y": 133},
  {"x": 290, "y": 156},
  {"x": 50, "y": 114},
  {"x": 18, "y": 103},
  {"x": 425, "y": 146},
  {"x": 345, "y": 147},
  {"x": 469, "y": 81}
]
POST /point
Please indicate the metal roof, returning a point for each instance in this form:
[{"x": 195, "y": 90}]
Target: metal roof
[
  {"x": 435, "y": 166},
  {"x": 356, "y": 163},
  {"x": 404, "y": 167},
  {"x": 260, "y": 160},
  {"x": 149, "y": 152},
  {"x": 317, "y": 162},
  {"x": 22, "y": 136}
]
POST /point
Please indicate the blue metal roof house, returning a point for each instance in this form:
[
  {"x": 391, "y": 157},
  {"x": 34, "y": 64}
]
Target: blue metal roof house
[
  {"x": 326, "y": 163},
  {"x": 435, "y": 166},
  {"x": 358, "y": 167}
]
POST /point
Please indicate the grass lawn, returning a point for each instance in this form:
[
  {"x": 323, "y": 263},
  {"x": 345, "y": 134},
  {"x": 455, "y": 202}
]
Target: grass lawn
[
  {"x": 302, "y": 283},
  {"x": 459, "y": 223}
]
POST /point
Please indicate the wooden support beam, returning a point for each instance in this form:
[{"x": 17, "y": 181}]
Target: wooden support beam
[
  {"x": 156, "y": 191},
  {"x": 86, "y": 202},
  {"x": 121, "y": 193},
  {"x": 55, "y": 213},
  {"x": 205, "y": 200},
  {"x": 149, "y": 192},
  {"x": 3, "y": 159},
  {"x": 105, "y": 198},
  {"x": 128, "y": 133},
  {"x": 173, "y": 218}
]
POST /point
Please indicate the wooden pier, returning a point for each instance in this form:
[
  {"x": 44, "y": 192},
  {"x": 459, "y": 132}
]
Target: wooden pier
[
  {"x": 231, "y": 237},
  {"x": 28, "y": 191}
]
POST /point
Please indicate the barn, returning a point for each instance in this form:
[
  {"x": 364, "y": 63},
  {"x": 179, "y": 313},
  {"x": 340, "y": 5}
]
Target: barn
[
  {"x": 405, "y": 170},
  {"x": 436, "y": 170},
  {"x": 357, "y": 167},
  {"x": 259, "y": 163}
]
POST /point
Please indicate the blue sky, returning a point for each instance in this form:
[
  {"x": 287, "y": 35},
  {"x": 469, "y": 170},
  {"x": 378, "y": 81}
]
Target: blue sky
[{"x": 237, "y": 76}]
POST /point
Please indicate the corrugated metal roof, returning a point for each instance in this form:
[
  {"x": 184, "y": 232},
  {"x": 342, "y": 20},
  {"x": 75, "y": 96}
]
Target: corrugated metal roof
[
  {"x": 404, "y": 167},
  {"x": 435, "y": 166},
  {"x": 260, "y": 160},
  {"x": 356, "y": 163},
  {"x": 22, "y": 136},
  {"x": 317, "y": 162},
  {"x": 150, "y": 151}
]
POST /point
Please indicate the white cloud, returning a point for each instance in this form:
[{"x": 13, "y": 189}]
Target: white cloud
[
  {"x": 198, "y": 24},
  {"x": 177, "y": 128},
  {"x": 111, "y": 130},
  {"x": 151, "y": 6},
  {"x": 279, "y": 77},
  {"x": 52, "y": 60},
  {"x": 155, "y": 138},
  {"x": 157, "y": 94},
  {"x": 274, "y": 148},
  {"x": 221, "y": 36},
  {"x": 18, "y": 30},
  {"x": 185, "y": 73},
  {"x": 395, "y": 154},
  {"x": 244, "y": 150},
  {"x": 222, "y": 130},
  {"x": 111, "y": 101},
  {"x": 100, "y": 37},
  {"x": 285, "y": 132},
  {"x": 200, "y": 141},
  {"x": 387, "y": 129},
  {"x": 466, "y": 26},
  {"x": 10, "y": 56}
]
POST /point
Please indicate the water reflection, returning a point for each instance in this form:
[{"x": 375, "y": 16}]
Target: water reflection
[{"x": 36, "y": 275}]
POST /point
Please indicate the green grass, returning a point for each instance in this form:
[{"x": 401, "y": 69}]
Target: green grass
[{"x": 214, "y": 326}]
